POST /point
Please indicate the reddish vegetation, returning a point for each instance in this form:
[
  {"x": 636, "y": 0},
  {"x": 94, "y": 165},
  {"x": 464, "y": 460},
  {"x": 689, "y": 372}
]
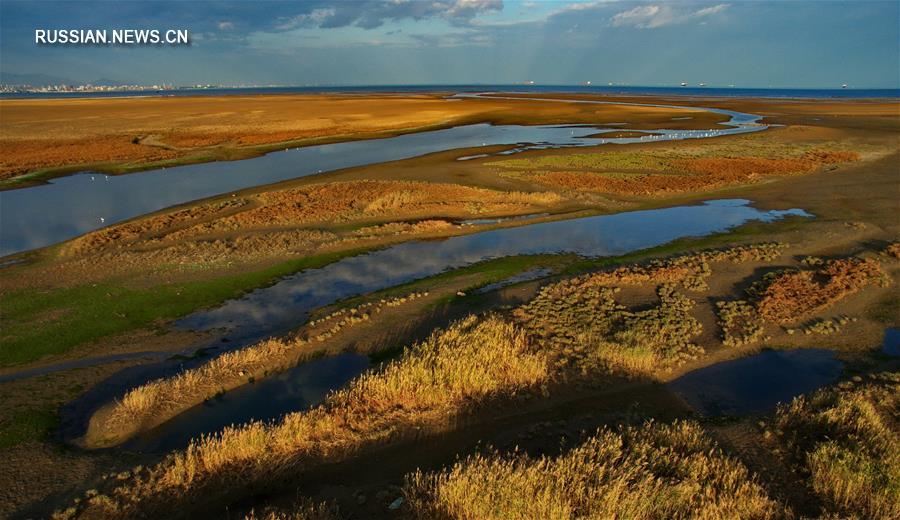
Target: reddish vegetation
[
  {"x": 636, "y": 184},
  {"x": 749, "y": 167},
  {"x": 22, "y": 156},
  {"x": 690, "y": 174},
  {"x": 346, "y": 201},
  {"x": 130, "y": 131},
  {"x": 893, "y": 250},
  {"x": 790, "y": 295}
]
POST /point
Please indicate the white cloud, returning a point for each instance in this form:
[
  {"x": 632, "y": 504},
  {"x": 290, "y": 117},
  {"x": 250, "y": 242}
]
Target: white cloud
[
  {"x": 225, "y": 26},
  {"x": 370, "y": 14},
  {"x": 706, "y": 11},
  {"x": 653, "y": 16}
]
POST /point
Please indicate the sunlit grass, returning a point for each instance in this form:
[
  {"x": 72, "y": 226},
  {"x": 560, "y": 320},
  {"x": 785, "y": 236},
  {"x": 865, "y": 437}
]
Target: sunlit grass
[
  {"x": 847, "y": 439},
  {"x": 649, "y": 472},
  {"x": 453, "y": 372}
]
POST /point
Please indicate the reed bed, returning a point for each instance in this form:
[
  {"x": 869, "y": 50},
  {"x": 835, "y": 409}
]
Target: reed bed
[
  {"x": 847, "y": 440},
  {"x": 451, "y": 373},
  {"x": 572, "y": 328},
  {"x": 152, "y": 403},
  {"x": 786, "y": 296},
  {"x": 579, "y": 321},
  {"x": 653, "y": 471},
  {"x": 587, "y": 331},
  {"x": 304, "y": 509}
]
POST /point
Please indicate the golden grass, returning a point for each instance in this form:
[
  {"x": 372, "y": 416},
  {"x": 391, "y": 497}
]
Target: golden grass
[
  {"x": 150, "y": 404},
  {"x": 579, "y": 321},
  {"x": 789, "y": 295},
  {"x": 847, "y": 439},
  {"x": 589, "y": 332},
  {"x": 451, "y": 373},
  {"x": 892, "y": 250},
  {"x": 455, "y": 371},
  {"x": 297, "y": 221},
  {"x": 304, "y": 509},
  {"x": 650, "y": 472}
]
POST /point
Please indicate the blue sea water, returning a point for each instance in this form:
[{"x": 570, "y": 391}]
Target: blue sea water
[{"x": 581, "y": 89}]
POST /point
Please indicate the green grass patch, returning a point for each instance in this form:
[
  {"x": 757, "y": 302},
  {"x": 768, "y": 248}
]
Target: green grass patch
[
  {"x": 27, "y": 425},
  {"x": 37, "y": 324}
]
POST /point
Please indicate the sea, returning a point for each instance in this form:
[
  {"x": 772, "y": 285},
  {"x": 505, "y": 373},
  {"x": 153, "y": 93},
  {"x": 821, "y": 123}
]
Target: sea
[{"x": 784, "y": 93}]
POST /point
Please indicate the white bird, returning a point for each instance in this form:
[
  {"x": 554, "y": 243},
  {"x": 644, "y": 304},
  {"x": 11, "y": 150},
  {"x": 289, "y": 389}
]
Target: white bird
[{"x": 102, "y": 220}]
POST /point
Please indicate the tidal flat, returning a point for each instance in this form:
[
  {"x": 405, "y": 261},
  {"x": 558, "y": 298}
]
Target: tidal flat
[{"x": 505, "y": 348}]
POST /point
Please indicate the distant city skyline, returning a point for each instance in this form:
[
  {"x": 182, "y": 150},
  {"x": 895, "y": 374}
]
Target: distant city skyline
[{"x": 779, "y": 44}]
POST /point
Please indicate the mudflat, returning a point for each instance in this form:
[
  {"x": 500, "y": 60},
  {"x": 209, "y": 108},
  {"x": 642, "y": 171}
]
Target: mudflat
[
  {"x": 829, "y": 283},
  {"x": 52, "y": 136}
]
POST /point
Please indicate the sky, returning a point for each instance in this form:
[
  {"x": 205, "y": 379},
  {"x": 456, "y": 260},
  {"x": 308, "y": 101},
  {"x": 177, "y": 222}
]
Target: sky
[{"x": 747, "y": 43}]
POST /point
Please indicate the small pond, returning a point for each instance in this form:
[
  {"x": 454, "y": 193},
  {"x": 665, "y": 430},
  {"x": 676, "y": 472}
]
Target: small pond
[{"x": 756, "y": 384}]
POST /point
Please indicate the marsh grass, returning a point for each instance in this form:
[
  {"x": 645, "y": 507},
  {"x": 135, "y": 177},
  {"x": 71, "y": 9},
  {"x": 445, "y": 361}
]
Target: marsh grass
[
  {"x": 579, "y": 321},
  {"x": 670, "y": 171},
  {"x": 789, "y": 295},
  {"x": 649, "y": 472},
  {"x": 454, "y": 371},
  {"x": 587, "y": 331},
  {"x": 475, "y": 361},
  {"x": 152, "y": 403},
  {"x": 847, "y": 440},
  {"x": 303, "y": 509}
]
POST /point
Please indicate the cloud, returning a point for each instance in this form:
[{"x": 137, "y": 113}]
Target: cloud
[
  {"x": 706, "y": 11},
  {"x": 654, "y": 16},
  {"x": 225, "y": 26},
  {"x": 369, "y": 14}
]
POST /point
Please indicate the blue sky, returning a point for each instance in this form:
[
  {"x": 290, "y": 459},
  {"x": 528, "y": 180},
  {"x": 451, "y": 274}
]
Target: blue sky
[{"x": 321, "y": 42}]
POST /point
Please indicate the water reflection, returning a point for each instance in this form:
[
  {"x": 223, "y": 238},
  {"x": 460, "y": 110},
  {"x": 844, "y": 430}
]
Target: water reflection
[
  {"x": 71, "y": 206},
  {"x": 302, "y": 387},
  {"x": 285, "y": 304},
  {"x": 757, "y": 383}
]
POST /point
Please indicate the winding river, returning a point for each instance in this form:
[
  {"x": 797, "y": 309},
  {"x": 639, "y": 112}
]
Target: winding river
[{"x": 70, "y": 206}]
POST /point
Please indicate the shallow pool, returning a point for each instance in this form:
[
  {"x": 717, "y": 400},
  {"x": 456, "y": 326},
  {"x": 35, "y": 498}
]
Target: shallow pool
[{"x": 756, "y": 384}]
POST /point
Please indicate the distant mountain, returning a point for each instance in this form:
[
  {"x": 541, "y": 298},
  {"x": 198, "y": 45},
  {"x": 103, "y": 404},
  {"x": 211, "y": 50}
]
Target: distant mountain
[{"x": 37, "y": 80}]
